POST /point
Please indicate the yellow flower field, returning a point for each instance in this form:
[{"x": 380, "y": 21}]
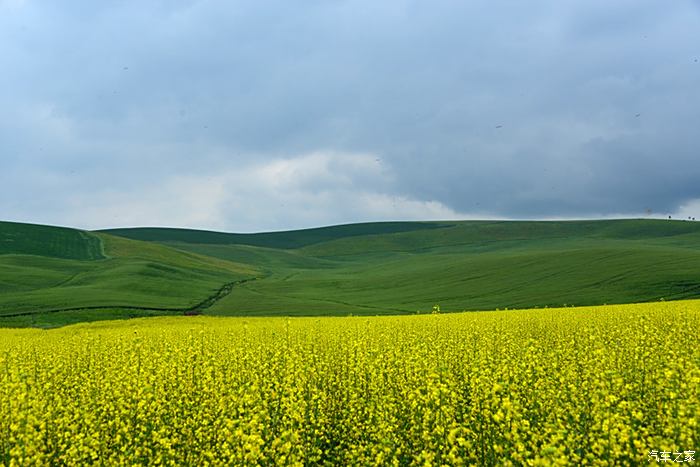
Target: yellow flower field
[{"x": 588, "y": 386}]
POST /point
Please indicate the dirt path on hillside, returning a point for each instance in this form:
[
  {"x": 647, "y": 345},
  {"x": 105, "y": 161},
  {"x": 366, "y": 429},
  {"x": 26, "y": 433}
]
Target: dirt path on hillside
[{"x": 190, "y": 311}]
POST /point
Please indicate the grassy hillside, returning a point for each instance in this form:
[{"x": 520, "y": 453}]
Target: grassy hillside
[
  {"x": 47, "y": 269},
  {"x": 284, "y": 240},
  {"x": 378, "y": 268},
  {"x": 459, "y": 265},
  {"x": 52, "y": 242}
]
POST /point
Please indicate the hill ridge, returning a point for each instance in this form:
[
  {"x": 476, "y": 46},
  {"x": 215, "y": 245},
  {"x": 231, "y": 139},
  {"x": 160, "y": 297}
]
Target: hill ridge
[{"x": 287, "y": 239}]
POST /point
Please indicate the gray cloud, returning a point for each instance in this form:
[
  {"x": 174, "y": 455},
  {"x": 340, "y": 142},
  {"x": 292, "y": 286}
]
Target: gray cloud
[{"x": 491, "y": 109}]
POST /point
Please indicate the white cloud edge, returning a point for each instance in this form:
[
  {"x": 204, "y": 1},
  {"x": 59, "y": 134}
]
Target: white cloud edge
[{"x": 285, "y": 193}]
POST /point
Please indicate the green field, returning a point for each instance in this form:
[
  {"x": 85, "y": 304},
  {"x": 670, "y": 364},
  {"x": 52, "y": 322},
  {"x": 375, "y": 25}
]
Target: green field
[
  {"x": 51, "y": 276},
  {"x": 53, "y": 269},
  {"x": 51, "y": 242},
  {"x": 393, "y": 268}
]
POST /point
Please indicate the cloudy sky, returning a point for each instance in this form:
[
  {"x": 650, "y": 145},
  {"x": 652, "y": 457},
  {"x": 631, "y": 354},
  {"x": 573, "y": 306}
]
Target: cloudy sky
[{"x": 266, "y": 115}]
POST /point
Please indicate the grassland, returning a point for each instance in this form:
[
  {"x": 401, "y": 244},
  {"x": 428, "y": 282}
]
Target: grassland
[
  {"x": 586, "y": 386},
  {"x": 54, "y": 269},
  {"x": 369, "y": 269},
  {"x": 383, "y": 268},
  {"x": 46, "y": 241}
]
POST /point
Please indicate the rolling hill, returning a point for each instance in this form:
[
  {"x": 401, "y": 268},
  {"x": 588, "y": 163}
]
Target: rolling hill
[
  {"x": 75, "y": 275},
  {"x": 380, "y": 268},
  {"x": 51, "y": 275}
]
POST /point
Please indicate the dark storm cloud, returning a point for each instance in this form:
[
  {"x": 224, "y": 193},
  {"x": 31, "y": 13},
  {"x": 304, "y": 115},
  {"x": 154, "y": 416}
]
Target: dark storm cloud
[{"x": 449, "y": 108}]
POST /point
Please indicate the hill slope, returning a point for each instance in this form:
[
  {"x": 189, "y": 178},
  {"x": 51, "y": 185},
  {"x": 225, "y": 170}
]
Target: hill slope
[
  {"x": 405, "y": 267},
  {"x": 283, "y": 240},
  {"x": 47, "y": 269},
  {"x": 52, "y": 242},
  {"x": 51, "y": 275}
]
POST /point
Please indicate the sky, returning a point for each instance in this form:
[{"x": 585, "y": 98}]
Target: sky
[{"x": 249, "y": 116}]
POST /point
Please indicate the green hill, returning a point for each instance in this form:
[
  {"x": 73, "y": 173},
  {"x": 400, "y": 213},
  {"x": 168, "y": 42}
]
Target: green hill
[
  {"x": 406, "y": 267},
  {"x": 51, "y": 275},
  {"x": 48, "y": 269},
  {"x": 52, "y": 242},
  {"x": 284, "y": 240}
]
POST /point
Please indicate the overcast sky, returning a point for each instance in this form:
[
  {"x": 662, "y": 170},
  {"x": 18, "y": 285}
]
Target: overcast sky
[{"x": 267, "y": 115}]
